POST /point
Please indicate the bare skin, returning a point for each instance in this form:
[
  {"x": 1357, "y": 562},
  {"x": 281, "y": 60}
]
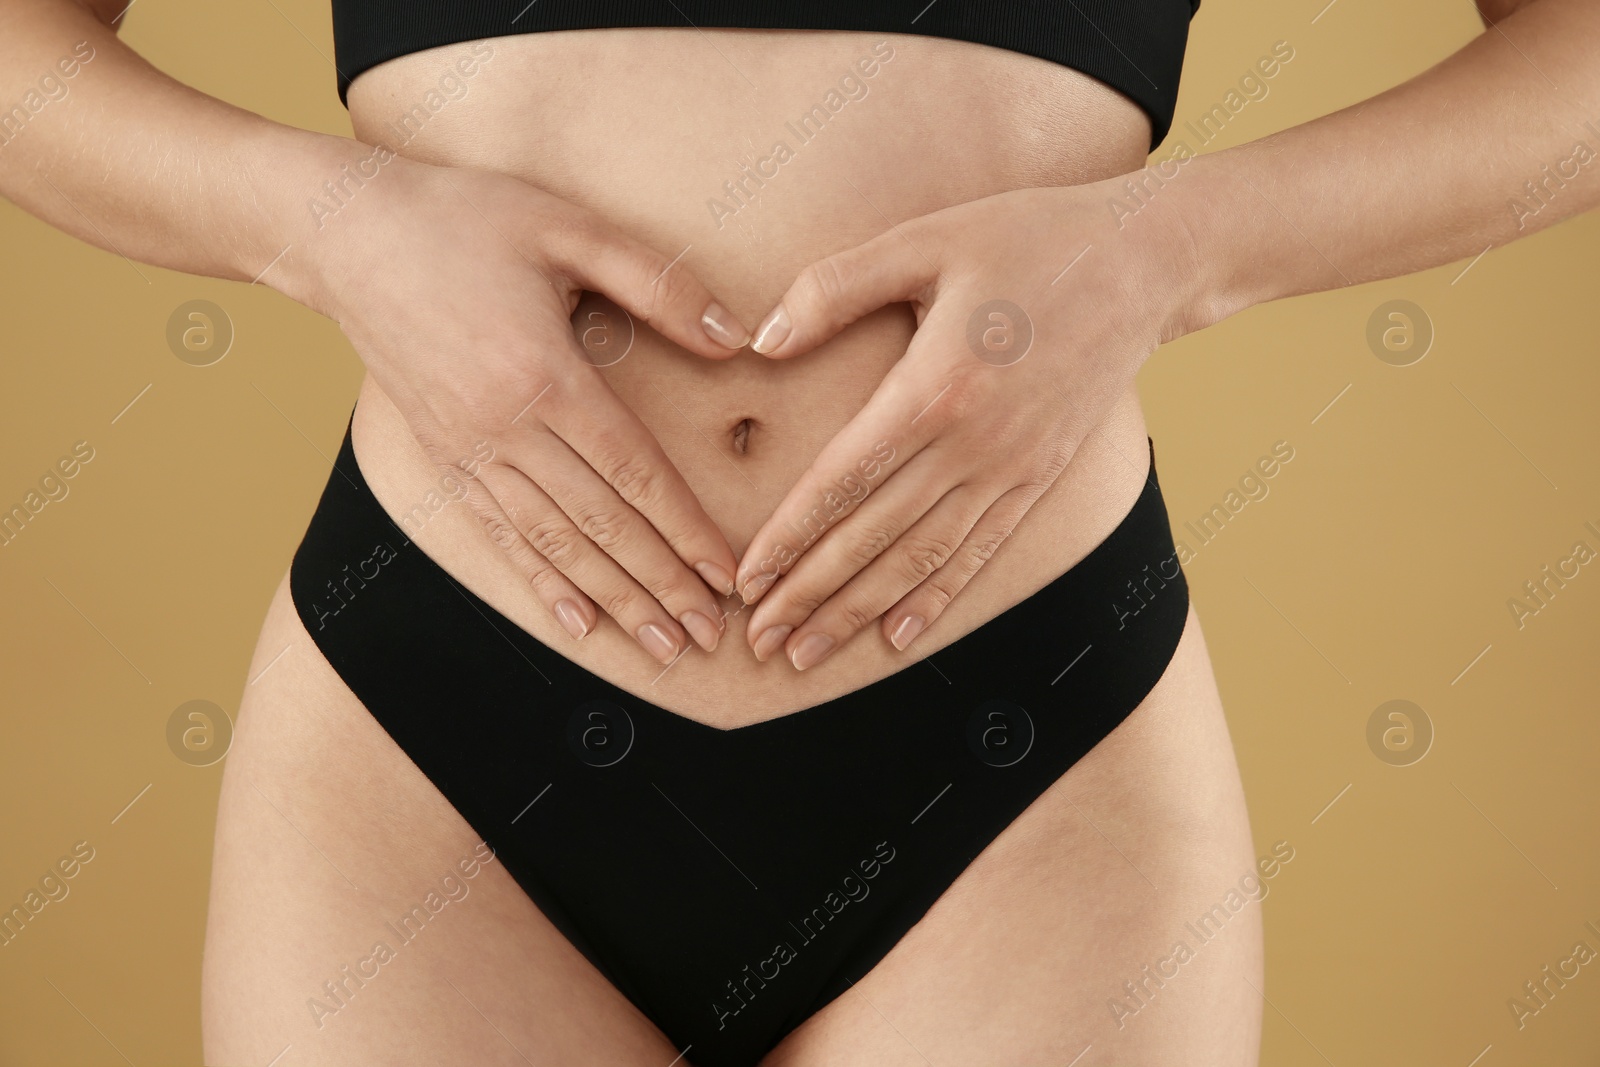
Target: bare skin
[
  {"x": 1033, "y": 986},
  {"x": 325, "y": 829}
]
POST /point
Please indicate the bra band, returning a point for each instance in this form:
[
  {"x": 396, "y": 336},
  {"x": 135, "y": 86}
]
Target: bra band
[{"x": 1134, "y": 46}]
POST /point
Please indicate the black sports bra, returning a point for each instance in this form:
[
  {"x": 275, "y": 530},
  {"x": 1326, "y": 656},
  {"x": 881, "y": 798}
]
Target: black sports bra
[{"x": 1134, "y": 46}]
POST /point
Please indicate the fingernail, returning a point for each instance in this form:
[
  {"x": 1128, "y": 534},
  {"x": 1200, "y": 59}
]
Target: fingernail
[
  {"x": 811, "y": 650},
  {"x": 772, "y": 332},
  {"x": 657, "y": 643},
  {"x": 715, "y": 577},
  {"x": 907, "y": 631},
  {"x": 702, "y": 629},
  {"x": 723, "y": 328},
  {"x": 568, "y": 615},
  {"x": 770, "y": 641}
]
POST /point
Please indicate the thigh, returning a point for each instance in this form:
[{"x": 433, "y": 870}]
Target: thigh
[
  {"x": 1059, "y": 943},
  {"x": 355, "y": 918}
]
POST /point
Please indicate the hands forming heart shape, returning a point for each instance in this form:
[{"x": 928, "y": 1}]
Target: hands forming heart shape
[{"x": 1035, "y": 309}]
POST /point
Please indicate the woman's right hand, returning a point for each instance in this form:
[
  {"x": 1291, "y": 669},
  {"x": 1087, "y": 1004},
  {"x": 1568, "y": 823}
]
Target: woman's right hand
[{"x": 456, "y": 289}]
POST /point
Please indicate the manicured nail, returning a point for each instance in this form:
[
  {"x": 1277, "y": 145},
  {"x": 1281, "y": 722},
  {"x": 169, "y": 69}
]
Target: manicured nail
[
  {"x": 568, "y": 615},
  {"x": 657, "y": 643},
  {"x": 771, "y": 640},
  {"x": 723, "y": 328},
  {"x": 715, "y": 577},
  {"x": 772, "y": 332},
  {"x": 907, "y": 631},
  {"x": 703, "y": 630},
  {"x": 811, "y": 650}
]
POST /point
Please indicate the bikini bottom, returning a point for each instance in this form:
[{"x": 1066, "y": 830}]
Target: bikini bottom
[{"x": 731, "y": 883}]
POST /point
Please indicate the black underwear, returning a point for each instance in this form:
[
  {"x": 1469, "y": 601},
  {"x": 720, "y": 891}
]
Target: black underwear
[{"x": 731, "y": 883}]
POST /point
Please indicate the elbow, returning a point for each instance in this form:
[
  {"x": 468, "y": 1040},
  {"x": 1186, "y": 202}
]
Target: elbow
[
  {"x": 107, "y": 12},
  {"x": 1492, "y": 11}
]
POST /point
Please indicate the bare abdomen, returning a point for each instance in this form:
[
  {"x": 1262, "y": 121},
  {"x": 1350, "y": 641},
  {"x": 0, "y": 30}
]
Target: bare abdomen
[{"x": 753, "y": 154}]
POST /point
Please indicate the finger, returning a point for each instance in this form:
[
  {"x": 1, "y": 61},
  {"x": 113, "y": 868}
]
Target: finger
[
  {"x": 570, "y": 606},
  {"x": 661, "y": 291},
  {"x": 616, "y": 529},
  {"x": 912, "y": 405},
  {"x": 915, "y": 612},
  {"x": 606, "y": 433},
  {"x": 920, "y": 552},
  {"x": 549, "y": 532},
  {"x": 831, "y": 293},
  {"x": 848, "y": 548}
]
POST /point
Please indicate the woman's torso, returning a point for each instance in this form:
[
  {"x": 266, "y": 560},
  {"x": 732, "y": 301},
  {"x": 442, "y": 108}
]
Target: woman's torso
[
  {"x": 1020, "y": 957},
  {"x": 660, "y": 132}
]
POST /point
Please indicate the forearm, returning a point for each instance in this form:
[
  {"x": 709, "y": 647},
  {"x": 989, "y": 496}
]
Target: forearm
[
  {"x": 97, "y": 142},
  {"x": 1430, "y": 172}
]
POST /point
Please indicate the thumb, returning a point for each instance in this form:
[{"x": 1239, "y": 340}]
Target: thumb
[
  {"x": 832, "y": 293},
  {"x": 659, "y": 290}
]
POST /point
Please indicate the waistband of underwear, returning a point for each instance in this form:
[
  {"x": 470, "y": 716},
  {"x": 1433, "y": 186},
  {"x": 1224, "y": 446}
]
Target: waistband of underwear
[{"x": 351, "y": 539}]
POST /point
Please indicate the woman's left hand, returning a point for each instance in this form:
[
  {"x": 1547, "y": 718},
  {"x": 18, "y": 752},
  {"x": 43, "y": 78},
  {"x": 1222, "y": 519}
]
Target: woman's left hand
[{"x": 1035, "y": 309}]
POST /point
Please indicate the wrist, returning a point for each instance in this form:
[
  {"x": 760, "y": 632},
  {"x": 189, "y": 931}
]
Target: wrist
[
  {"x": 1234, "y": 253},
  {"x": 311, "y": 179}
]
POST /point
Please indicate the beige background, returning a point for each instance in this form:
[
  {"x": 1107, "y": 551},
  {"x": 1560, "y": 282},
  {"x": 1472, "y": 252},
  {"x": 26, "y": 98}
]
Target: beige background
[{"x": 1378, "y": 568}]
